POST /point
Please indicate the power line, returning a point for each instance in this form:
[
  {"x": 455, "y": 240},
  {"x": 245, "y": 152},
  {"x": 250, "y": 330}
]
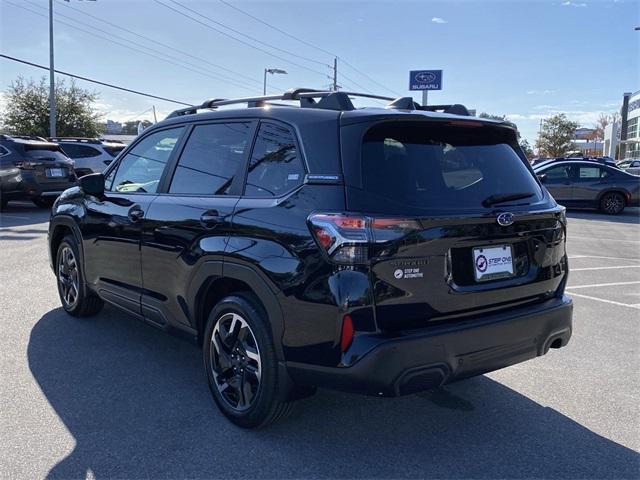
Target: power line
[
  {"x": 238, "y": 39},
  {"x": 293, "y": 54},
  {"x": 309, "y": 44},
  {"x": 166, "y": 58},
  {"x": 257, "y": 19},
  {"x": 86, "y": 79},
  {"x": 182, "y": 52}
]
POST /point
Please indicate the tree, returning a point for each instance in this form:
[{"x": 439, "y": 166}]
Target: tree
[
  {"x": 26, "y": 109},
  {"x": 556, "y": 135},
  {"x": 603, "y": 121},
  {"x": 526, "y": 148},
  {"x": 492, "y": 117}
]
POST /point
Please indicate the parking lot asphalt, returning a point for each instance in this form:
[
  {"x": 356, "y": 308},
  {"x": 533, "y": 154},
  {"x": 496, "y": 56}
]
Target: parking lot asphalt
[{"x": 111, "y": 397}]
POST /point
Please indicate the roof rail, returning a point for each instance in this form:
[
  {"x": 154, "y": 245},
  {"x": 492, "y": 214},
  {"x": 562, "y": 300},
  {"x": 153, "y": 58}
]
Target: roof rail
[
  {"x": 23, "y": 137},
  {"x": 95, "y": 141},
  {"x": 407, "y": 103},
  {"x": 330, "y": 100}
]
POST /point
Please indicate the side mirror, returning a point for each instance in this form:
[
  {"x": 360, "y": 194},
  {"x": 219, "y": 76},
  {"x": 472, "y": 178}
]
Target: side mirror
[
  {"x": 92, "y": 184},
  {"x": 542, "y": 177}
]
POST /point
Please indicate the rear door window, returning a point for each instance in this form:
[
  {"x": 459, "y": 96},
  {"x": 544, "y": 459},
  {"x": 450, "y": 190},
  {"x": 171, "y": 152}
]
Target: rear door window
[
  {"x": 440, "y": 167},
  {"x": 589, "y": 173},
  {"x": 275, "y": 167},
  {"x": 211, "y": 159}
]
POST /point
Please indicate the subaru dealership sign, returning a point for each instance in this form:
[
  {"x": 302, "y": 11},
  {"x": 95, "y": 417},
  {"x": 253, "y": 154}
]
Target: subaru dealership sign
[{"x": 425, "y": 80}]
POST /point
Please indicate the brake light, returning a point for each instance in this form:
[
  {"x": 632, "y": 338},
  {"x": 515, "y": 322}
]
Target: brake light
[
  {"x": 25, "y": 165},
  {"x": 347, "y": 333},
  {"x": 351, "y": 239}
]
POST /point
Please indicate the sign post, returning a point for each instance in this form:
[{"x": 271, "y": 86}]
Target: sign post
[{"x": 425, "y": 80}]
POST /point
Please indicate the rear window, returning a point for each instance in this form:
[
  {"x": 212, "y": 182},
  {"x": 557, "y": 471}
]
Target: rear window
[
  {"x": 441, "y": 167},
  {"x": 43, "y": 151}
]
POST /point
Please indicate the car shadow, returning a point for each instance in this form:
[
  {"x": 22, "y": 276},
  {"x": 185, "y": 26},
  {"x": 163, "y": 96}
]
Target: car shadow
[
  {"x": 629, "y": 215},
  {"x": 20, "y": 214},
  {"x": 136, "y": 402}
]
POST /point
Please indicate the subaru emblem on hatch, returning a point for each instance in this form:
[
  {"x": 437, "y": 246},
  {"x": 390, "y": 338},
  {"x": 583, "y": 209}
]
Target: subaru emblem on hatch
[{"x": 505, "y": 219}]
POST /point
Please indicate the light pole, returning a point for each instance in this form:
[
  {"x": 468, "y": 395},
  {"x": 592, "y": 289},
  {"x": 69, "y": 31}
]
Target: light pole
[
  {"x": 271, "y": 71},
  {"x": 52, "y": 80},
  {"x": 52, "y": 73}
]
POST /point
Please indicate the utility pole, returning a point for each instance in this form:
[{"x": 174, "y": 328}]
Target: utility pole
[
  {"x": 335, "y": 74},
  {"x": 52, "y": 80},
  {"x": 155, "y": 119}
]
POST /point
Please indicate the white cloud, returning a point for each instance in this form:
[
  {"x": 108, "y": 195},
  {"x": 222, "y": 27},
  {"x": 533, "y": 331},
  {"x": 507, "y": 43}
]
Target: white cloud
[
  {"x": 438, "y": 20},
  {"x": 541, "y": 92},
  {"x": 570, "y": 3}
]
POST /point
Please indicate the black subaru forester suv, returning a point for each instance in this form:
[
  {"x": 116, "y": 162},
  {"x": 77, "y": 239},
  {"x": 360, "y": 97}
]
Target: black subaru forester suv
[{"x": 383, "y": 251}]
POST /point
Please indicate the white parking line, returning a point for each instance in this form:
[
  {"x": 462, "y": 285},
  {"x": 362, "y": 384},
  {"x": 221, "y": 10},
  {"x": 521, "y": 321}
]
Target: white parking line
[
  {"x": 600, "y": 239},
  {"x": 593, "y": 285},
  {"x": 628, "y": 305},
  {"x": 603, "y": 268},
  {"x": 606, "y": 258}
]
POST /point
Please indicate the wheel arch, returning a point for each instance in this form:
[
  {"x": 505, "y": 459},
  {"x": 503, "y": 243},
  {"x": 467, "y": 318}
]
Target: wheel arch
[
  {"x": 211, "y": 283},
  {"x": 620, "y": 190},
  {"x": 61, "y": 226}
]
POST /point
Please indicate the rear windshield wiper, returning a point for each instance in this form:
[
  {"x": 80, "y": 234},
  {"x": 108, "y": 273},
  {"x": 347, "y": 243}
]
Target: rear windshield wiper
[{"x": 505, "y": 197}]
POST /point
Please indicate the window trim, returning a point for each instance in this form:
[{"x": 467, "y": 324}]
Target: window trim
[
  {"x": 235, "y": 189},
  {"x": 303, "y": 162},
  {"x": 116, "y": 164}
]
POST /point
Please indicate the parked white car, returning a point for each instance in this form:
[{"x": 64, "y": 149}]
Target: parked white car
[
  {"x": 91, "y": 155},
  {"x": 631, "y": 166}
]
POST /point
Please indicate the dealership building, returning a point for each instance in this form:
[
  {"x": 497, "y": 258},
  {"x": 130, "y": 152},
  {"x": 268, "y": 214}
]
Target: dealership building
[{"x": 622, "y": 139}]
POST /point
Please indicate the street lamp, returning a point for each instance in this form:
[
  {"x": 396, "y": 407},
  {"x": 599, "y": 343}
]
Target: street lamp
[
  {"x": 271, "y": 71},
  {"x": 52, "y": 81}
]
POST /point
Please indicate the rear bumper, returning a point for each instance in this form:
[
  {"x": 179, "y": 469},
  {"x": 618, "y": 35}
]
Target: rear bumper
[
  {"x": 429, "y": 359},
  {"x": 24, "y": 185}
]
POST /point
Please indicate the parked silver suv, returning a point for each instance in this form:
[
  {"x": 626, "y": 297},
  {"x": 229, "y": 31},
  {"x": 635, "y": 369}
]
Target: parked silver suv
[{"x": 91, "y": 155}]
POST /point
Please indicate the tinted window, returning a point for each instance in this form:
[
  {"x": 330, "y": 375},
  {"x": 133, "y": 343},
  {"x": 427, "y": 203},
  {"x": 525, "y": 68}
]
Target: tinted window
[
  {"x": 211, "y": 159},
  {"x": 113, "y": 151},
  {"x": 275, "y": 166},
  {"x": 80, "y": 151},
  {"x": 557, "y": 174},
  {"x": 140, "y": 169},
  {"x": 441, "y": 167}
]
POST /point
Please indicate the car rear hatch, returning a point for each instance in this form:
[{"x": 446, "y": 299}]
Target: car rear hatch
[
  {"x": 456, "y": 223},
  {"x": 52, "y": 168}
]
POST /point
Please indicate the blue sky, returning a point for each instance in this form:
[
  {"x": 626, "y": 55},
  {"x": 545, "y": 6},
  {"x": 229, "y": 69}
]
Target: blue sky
[{"x": 526, "y": 59}]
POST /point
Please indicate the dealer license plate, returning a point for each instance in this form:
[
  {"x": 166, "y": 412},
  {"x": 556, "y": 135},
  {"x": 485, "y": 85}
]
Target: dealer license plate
[
  {"x": 56, "y": 172},
  {"x": 491, "y": 263}
]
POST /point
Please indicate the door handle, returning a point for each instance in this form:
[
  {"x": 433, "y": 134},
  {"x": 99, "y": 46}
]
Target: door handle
[
  {"x": 210, "y": 219},
  {"x": 135, "y": 213}
]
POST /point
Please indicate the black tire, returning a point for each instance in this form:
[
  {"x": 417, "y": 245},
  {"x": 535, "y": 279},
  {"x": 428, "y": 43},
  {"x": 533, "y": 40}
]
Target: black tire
[
  {"x": 43, "y": 202},
  {"x": 74, "y": 296},
  {"x": 243, "y": 401},
  {"x": 612, "y": 203}
]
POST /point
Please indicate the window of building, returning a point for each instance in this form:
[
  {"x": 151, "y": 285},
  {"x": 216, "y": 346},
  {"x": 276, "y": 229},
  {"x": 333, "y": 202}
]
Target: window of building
[
  {"x": 275, "y": 167},
  {"x": 211, "y": 159}
]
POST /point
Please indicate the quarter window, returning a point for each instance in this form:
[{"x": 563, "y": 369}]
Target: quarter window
[
  {"x": 211, "y": 159},
  {"x": 141, "y": 168},
  {"x": 275, "y": 167}
]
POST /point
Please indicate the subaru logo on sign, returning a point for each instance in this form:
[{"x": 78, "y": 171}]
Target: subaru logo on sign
[
  {"x": 425, "y": 77},
  {"x": 425, "y": 80},
  {"x": 505, "y": 219}
]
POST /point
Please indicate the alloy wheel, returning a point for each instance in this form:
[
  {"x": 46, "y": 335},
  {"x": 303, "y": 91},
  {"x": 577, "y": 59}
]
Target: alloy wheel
[
  {"x": 235, "y": 361},
  {"x": 613, "y": 203},
  {"x": 68, "y": 277}
]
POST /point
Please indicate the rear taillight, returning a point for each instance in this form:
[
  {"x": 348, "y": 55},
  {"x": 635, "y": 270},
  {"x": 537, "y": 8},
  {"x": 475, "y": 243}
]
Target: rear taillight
[
  {"x": 350, "y": 239},
  {"x": 25, "y": 165}
]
